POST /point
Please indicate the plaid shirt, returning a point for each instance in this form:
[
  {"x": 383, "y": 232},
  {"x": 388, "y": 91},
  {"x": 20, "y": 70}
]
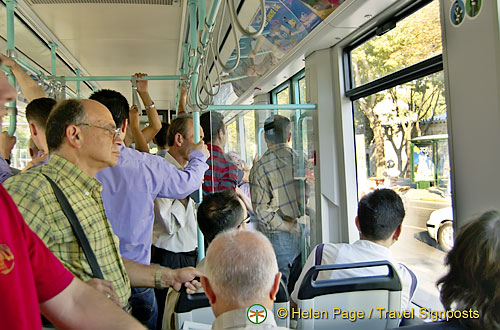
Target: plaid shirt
[
  {"x": 40, "y": 209},
  {"x": 274, "y": 187}
]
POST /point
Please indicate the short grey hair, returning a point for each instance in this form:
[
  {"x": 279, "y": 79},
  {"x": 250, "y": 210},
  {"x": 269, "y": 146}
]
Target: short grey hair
[{"x": 241, "y": 266}]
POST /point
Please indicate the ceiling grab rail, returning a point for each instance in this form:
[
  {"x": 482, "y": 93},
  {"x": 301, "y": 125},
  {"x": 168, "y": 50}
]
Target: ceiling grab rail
[
  {"x": 236, "y": 41},
  {"x": 247, "y": 33}
]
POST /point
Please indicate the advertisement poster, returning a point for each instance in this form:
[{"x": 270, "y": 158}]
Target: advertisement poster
[{"x": 288, "y": 22}]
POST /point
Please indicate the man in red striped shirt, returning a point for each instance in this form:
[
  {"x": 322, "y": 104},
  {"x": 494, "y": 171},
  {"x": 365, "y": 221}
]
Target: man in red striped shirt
[{"x": 222, "y": 172}]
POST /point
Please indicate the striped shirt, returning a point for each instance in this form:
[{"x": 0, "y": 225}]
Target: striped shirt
[
  {"x": 38, "y": 204},
  {"x": 222, "y": 173},
  {"x": 275, "y": 188}
]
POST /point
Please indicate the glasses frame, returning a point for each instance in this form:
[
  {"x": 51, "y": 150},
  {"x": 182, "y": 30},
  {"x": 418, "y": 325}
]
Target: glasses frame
[{"x": 116, "y": 132}]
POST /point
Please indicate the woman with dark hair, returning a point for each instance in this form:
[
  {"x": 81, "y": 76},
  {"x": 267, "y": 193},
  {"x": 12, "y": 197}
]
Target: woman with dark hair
[
  {"x": 473, "y": 280},
  {"x": 470, "y": 292}
]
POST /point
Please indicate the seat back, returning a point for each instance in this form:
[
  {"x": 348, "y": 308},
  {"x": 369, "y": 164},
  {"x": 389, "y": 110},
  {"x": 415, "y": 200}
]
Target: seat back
[
  {"x": 194, "y": 308},
  {"x": 343, "y": 300},
  {"x": 282, "y": 301}
]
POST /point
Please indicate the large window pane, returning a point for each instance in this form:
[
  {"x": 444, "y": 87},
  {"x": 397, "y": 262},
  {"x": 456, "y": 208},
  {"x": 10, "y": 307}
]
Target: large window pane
[
  {"x": 402, "y": 144},
  {"x": 283, "y": 97},
  {"x": 250, "y": 139},
  {"x": 233, "y": 143},
  {"x": 302, "y": 90},
  {"x": 414, "y": 39}
]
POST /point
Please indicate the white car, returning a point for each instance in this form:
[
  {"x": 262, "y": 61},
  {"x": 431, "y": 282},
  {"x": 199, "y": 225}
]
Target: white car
[{"x": 440, "y": 227}]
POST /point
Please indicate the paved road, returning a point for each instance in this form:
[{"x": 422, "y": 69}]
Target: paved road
[{"x": 417, "y": 250}]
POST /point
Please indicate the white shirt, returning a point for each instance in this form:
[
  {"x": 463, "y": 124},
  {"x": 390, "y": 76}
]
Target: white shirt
[
  {"x": 359, "y": 251},
  {"x": 175, "y": 224}
]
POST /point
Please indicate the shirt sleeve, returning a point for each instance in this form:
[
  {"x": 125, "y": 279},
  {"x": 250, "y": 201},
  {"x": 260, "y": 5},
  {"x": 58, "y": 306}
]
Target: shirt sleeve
[
  {"x": 50, "y": 275},
  {"x": 5, "y": 171},
  {"x": 169, "y": 182}
]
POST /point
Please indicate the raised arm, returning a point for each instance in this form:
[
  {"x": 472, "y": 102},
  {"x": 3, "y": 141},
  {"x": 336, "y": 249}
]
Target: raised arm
[
  {"x": 181, "y": 108},
  {"x": 140, "y": 141},
  {"x": 150, "y": 131},
  {"x": 29, "y": 87},
  {"x": 81, "y": 307}
]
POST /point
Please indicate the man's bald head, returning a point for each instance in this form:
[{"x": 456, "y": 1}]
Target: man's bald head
[{"x": 241, "y": 267}]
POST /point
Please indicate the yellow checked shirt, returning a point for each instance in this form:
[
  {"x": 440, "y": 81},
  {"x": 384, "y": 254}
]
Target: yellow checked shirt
[{"x": 40, "y": 209}]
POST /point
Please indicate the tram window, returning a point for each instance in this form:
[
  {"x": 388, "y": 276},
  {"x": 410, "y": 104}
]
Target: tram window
[
  {"x": 233, "y": 143},
  {"x": 302, "y": 90},
  {"x": 414, "y": 39},
  {"x": 20, "y": 155},
  {"x": 283, "y": 97},
  {"x": 401, "y": 140},
  {"x": 250, "y": 138}
]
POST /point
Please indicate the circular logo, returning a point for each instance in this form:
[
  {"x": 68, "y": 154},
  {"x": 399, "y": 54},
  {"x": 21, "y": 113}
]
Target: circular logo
[
  {"x": 257, "y": 314},
  {"x": 457, "y": 12},
  {"x": 473, "y": 7}
]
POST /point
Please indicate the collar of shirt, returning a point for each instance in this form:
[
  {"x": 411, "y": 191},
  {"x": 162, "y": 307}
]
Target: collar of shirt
[
  {"x": 238, "y": 319},
  {"x": 169, "y": 158},
  {"x": 71, "y": 172},
  {"x": 213, "y": 147}
]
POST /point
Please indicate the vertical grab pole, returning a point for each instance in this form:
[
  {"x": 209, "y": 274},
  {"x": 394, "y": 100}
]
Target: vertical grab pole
[
  {"x": 201, "y": 240},
  {"x": 78, "y": 95},
  {"x": 53, "y": 48},
  {"x": 11, "y": 48}
]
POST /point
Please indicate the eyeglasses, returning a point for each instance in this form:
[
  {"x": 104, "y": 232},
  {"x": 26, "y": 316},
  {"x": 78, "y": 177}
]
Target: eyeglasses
[
  {"x": 246, "y": 221},
  {"x": 114, "y": 131}
]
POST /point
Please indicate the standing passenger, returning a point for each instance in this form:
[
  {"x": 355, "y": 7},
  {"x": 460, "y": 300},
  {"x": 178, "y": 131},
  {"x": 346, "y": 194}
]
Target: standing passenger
[
  {"x": 129, "y": 191},
  {"x": 222, "y": 172},
  {"x": 175, "y": 231},
  {"x": 275, "y": 193},
  {"x": 83, "y": 139}
]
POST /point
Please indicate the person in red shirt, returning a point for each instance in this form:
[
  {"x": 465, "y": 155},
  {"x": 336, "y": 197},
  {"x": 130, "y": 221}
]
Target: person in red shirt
[{"x": 33, "y": 280}]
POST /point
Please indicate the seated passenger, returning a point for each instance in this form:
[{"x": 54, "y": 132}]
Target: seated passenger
[
  {"x": 472, "y": 286},
  {"x": 241, "y": 272},
  {"x": 380, "y": 215},
  {"x": 217, "y": 213}
]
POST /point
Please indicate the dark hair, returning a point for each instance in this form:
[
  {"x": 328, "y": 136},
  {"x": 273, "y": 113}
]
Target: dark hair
[
  {"x": 212, "y": 122},
  {"x": 473, "y": 279},
  {"x": 178, "y": 125},
  {"x": 218, "y": 212},
  {"x": 380, "y": 213},
  {"x": 161, "y": 136},
  {"x": 116, "y": 103},
  {"x": 38, "y": 110},
  {"x": 277, "y": 129},
  {"x": 65, "y": 113}
]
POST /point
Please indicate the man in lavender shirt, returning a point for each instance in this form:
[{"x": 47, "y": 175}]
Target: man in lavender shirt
[{"x": 128, "y": 193}]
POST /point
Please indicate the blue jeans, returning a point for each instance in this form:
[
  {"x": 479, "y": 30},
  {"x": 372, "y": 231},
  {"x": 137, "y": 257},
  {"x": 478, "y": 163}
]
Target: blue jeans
[
  {"x": 144, "y": 307},
  {"x": 287, "y": 248}
]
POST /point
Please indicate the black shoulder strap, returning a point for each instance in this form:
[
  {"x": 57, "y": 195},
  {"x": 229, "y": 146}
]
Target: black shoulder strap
[{"x": 77, "y": 229}]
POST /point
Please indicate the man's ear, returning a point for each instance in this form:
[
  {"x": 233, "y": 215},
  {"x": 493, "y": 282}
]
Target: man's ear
[
  {"x": 397, "y": 233},
  {"x": 74, "y": 136},
  {"x": 33, "y": 130},
  {"x": 357, "y": 224},
  {"x": 208, "y": 290},
  {"x": 178, "y": 139},
  {"x": 289, "y": 136},
  {"x": 154, "y": 141},
  {"x": 124, "y": 125},
  {"x": 276, "y": 286}
]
